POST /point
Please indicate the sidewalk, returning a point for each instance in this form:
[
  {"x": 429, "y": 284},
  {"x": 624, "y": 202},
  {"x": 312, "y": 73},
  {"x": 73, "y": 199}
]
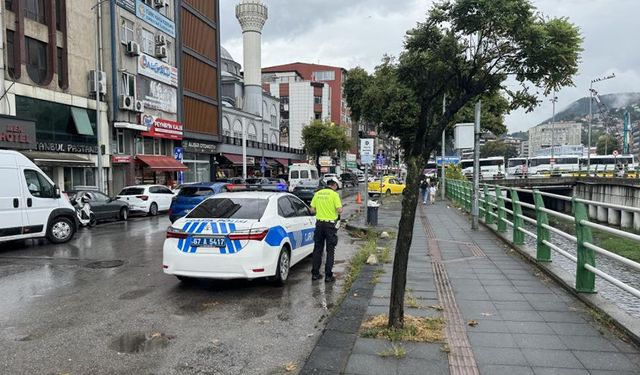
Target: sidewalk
[{"x": 502, "y": 315}]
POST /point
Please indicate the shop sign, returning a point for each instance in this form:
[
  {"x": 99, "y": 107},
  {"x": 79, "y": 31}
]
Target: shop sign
[
  {"x": 17, "y": 134},
  {"x": 157, "y": 69},
  {"x": 67, "y": 147},
  {"x": 120, "y": 159},
  {"x": 251, "y": 160},
  {"x": 325, "y": 161},
  {"x": 155, "y": 19},
  {"x": 157, "y": 95},
  {"x": 324, "y": 169},
  {"x": 129, "y": 5},
  {"x": 198, "y": 147},
  {"x": 161, "y": 128},
  {"x": 128, "y": 125}
]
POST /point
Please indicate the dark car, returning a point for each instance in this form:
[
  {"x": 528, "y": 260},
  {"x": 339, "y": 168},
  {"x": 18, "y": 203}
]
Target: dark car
[
  {"x": 103, "y": 206},
  {"x": 267, "y": 184},
  {"x": 191, "y": 195},
  {"x": 349, "y": 179},
  {"x": 305, "y": 191}
]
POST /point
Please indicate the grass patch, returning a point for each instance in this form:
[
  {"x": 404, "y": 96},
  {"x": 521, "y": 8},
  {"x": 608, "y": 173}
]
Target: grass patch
[
  {"x": 376, "y": 276},
  {"x": 411, "y": 301},
  {"x": 396, "y": 350},
  {"x": 415, "y": 329},
  {"x": 360, "y": 258},
  {"x": 621, "y": 246},
  {"x": 384, "y": 255}
]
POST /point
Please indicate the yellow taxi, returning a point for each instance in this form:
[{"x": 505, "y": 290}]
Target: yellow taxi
[{"x": 390, "y": 185}]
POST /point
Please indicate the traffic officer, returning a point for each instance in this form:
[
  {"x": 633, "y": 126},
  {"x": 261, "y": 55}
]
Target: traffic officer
[{"x": 327, "y": 207}]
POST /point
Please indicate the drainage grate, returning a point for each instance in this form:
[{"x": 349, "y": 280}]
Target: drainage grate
[
  {"x": 461, "y": 359},
  {"x": 105, "y": 264}
]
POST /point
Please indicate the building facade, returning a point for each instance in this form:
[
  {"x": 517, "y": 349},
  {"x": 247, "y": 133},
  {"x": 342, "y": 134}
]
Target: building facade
[{"x": 560, "y": 133}]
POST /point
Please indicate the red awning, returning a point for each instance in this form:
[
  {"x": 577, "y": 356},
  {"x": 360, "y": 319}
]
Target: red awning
[
  {"x": 299, "y": 161},
  {"x": 235, "y": 159},
  {"x": 162, "y": 163},
  {"x": 283, "y": 162}
]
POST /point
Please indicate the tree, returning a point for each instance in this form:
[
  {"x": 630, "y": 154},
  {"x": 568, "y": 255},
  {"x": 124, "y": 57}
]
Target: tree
[
  {"x": 606, "y": 144},
  {"x": 498, "y": 148},
  {"x": 465, "y": 50},
  {"x": 320, "y": 137}
]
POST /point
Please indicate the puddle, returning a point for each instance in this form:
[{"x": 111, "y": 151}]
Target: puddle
[
  {"x": 133, "y": 294},
  {"x": 105, "y": 264},
  {"x": 140, "y": 342}
]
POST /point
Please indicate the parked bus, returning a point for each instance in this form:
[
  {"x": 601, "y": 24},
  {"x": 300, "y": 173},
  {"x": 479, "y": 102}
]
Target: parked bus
[
  {"x": 562, "y": 164},
  {"x": 490, "y": 168},
  {"x": 608, "y": 163},
  {"x": 517, "y": 167}
]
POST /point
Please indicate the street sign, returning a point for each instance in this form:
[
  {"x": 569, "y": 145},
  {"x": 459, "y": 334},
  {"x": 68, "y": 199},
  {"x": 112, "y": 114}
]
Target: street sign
[
  {"x": 380, "y": 159},
  {"x": 178, "y": 154},
  {"x": 448, "y": 160},
  {"x": 615, "y": 153},
  {"x": 366, "y": 150}
]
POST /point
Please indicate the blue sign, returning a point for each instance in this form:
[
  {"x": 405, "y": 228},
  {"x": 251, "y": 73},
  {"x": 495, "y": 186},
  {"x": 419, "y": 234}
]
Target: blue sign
[
  {"x": 263, "y": 165},
  {"x": 448, "y": 160},
  {"x": 155, "y": 19},
  {"x": 178, "y": 154},
  {"x": 380, "y": 159}
]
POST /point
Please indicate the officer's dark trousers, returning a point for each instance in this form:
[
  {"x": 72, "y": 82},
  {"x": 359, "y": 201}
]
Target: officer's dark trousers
[{"x": 325, "y": 232}]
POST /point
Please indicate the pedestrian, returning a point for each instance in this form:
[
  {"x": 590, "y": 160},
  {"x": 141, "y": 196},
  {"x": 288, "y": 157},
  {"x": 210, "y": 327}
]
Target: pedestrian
[
  {"x": 424, "y": 185},
  {"x": 327, "y": 207},
  {"x": 432, "y": 193}
]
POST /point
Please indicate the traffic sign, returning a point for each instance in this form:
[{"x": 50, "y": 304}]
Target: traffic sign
[
  {"x": 366, "y": 150},
  {"x": 380, "y": 159},
  {"x": 448, "y": 160},
  {"x": 615, "y": 153}
]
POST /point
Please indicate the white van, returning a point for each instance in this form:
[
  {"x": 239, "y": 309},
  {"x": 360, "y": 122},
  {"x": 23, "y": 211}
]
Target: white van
[
  {"x": 302, "y": 173},
  {"x": 31, "y": 205}
]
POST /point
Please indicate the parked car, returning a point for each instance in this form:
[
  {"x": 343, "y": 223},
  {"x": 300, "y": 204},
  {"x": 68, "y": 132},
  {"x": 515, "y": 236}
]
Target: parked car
[
  {"x": 103, "y": 206},
  {"x": 31, "y": 205},
  {"x": 267, "y": 184},
  {"x": 190, "y": 196},
  {"x": 245, "y": 235},
  {"x": 334, "y": 177},
  {"x": 390, "y": 185},
  {"x": 149, "y": 199},
  {"x": 349, "y": 179},
  {"x": 302, "y": 172},
  {"x": 305, "y": 191}
]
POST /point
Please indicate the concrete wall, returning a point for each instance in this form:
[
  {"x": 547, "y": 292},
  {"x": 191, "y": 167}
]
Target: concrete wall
[{"x": 624, "y": 195}]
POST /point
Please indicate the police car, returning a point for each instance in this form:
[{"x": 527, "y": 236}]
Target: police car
[{"x": 244, "y": 235}]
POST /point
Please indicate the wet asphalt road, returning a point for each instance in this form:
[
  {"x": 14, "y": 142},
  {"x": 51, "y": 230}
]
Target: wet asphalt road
[{"x": 61, "y": 316}]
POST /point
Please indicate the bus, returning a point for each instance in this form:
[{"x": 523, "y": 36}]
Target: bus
[
  {"x": 517, "y": 167},
  {"x": 431, "y": 169},
  {"x": 608, "y": 163},
  {"x": 562, "y": 164},
  {"x": 490, "y": 168}
]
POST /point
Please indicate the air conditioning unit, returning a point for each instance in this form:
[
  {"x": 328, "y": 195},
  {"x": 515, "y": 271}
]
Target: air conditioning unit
[
  {"x": 133, "y": 48},
  {"x": 160, "y": 3},
  {"x": 127, "y": 102},
  {"x": 161, "y": 52},
  {"x": 139, "y": 106},
  {"x": 161, "y": 40},
  {"x": 101, "y": 77}
]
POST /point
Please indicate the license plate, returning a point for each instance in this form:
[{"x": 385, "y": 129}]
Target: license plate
[{"x": 208, "y": 242}]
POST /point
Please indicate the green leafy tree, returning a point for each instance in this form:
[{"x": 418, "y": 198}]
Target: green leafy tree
[
  {"x": 498, "y": 148},
  {"x": 323, "y": 137},
  {"x": 606, "y": 144},
  {"x": 465, "y": 51},
  {"x": 454, "y": 172}
]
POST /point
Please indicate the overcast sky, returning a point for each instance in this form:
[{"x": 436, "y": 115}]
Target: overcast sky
[{"x": 351, "y": 33}]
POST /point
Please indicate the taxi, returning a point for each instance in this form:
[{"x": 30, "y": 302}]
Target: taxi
[
  {"x": 247, "y": 235},
  {"x": 390, "y": 185}
]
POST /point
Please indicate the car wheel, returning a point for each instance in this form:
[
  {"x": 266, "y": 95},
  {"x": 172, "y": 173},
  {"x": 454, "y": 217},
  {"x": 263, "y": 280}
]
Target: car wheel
[
  {"x": 153, "y": 209},
  {"x": 93, "y": 220},
  {"x": 388, "y": 192},
  {"x": 284, "y": 265},
  {"x": 124, "y": 214},
  {"x": 185, "y": 279},
  {"x": 371, "y": 195},
  {"x": 61, "y": 230}
]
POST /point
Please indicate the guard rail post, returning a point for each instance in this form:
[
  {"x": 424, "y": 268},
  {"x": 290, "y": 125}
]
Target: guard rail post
[
  {"x": 488, "y": 208},
  {"x": 469, "y": 196},
  {"x": 543, "y": 252},
  {"x": 502, "y": 225},
  {"x": 518, "y": 222},
  {"x": 585, "y": 279}
]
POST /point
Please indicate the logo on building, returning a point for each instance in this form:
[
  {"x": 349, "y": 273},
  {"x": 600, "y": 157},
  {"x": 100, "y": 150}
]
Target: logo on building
[{"x": 158, "y": 70}]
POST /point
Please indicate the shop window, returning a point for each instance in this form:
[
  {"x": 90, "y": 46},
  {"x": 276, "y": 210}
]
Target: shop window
[
  {"x": 128, "y": 84},
  {"x": 36, "y": 60},
  {"x": 139, "y": 145},
  {"x": 120, "y": 142},
  {"x": 74, "y": 177},
  {"x": 35, "y": 10},
  {"x": 126, "y": 30},
  {"x": 148, "y": 42},
  {"x": 148, "y": 146},
  {"x": 10, "y": 54}
]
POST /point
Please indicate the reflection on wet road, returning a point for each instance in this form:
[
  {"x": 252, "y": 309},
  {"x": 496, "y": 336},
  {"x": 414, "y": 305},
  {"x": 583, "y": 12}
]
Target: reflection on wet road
[{"x": 101, "y": 305}]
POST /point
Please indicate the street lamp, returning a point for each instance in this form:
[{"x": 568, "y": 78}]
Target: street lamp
[
  {"x": 553, "y": 100},
  {"x": 613, "y": 75}
]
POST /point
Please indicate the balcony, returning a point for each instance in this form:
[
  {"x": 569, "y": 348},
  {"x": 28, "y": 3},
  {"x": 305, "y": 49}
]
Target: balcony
[{"x": 258, "y": 145}]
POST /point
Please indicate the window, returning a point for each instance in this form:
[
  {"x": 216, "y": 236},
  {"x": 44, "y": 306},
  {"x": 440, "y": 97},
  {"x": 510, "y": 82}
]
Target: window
[
  {"x": 148, "y": 42},
  {"x": 300, "y": 208},
  {"x": 8, "y": 5},
  {"x": 60, "y": 68},
  {"x": 38, "y": 185},
  {"x": 274, "y": 121},
  {"x": 295, "y": 174},
  {"x": 120, "y": 142},
  {"x": 165, "y": 9},
  {"x": 285, "y": 208},
  {"x": 328, "y": 75},
  {"x": 317, "y": 100},
  {"x": 10, "y": 54},
  {"x": 126, "y": 30},
  {"x": 304, "y": 174},
  {"x": 235, "y": 208},
  {"x": 36, "y": 60},
  {"x": 35, "y": 10},
  {"x": 60, "y": 17},
  {"x": 99, "y": 197},
  {"x": 128, "y": 84}
]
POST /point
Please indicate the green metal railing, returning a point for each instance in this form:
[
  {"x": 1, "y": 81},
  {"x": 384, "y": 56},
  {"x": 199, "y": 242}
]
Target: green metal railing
[{"x": 493, "y": 212}]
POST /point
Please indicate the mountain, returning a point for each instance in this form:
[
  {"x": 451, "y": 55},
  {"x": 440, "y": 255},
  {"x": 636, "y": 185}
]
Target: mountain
[{"x": 616, "y": 103}]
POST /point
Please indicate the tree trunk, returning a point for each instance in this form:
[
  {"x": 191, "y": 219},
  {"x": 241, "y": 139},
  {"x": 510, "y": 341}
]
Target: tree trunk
[{"x": 403, "y": 242}]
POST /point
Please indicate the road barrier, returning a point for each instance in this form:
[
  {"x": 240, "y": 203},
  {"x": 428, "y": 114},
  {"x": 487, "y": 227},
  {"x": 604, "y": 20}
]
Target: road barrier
[{"x": 493, "y": 211}]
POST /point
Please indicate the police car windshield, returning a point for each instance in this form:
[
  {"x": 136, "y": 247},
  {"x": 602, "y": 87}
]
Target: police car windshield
[{"x": 230, "y": 208}]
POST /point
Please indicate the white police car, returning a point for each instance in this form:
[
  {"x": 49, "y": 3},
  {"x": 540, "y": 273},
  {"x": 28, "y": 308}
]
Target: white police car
[{"x": 240, "y": 235}]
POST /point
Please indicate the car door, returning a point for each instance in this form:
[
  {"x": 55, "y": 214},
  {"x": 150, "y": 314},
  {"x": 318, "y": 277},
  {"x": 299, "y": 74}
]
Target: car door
[
  {"x": 106, "y": 207},
  {"x": 306, "y": 224},
  {"x": 39, "y": 201},
  {"x": 97, "y": 206},
  {"x": 12, "y": 206},
  {"x": 164, "y": 197},
  {"x": 290, "y": 222}
]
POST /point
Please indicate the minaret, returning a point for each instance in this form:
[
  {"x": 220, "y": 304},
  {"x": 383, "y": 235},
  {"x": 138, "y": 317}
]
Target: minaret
[{"x": 252, "y": 15}]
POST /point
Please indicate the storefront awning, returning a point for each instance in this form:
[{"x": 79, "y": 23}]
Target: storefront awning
[
  {"x": 161, "y": 163},
  {"x": 283, "y": 162},
  {"x": 235, "y": 159},
  {"x": 58, "y": 159},
  {"x": 299, "y": 161}
]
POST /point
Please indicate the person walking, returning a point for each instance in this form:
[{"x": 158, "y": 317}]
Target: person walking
[
  {"x": 432, "y": 193},
  {"x": 327, "y": 207},
  {"x": 424, "y": 186}
]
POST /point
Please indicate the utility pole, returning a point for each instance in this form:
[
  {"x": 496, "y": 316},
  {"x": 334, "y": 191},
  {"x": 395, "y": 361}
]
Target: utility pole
[
  {"x": 444, "y": 131},
  {"x": 475, "y": 210},
  {"x": 96, "y": 87},
  {"x": 591, "y": 116},
  {"x": 554, "y": 99}
]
